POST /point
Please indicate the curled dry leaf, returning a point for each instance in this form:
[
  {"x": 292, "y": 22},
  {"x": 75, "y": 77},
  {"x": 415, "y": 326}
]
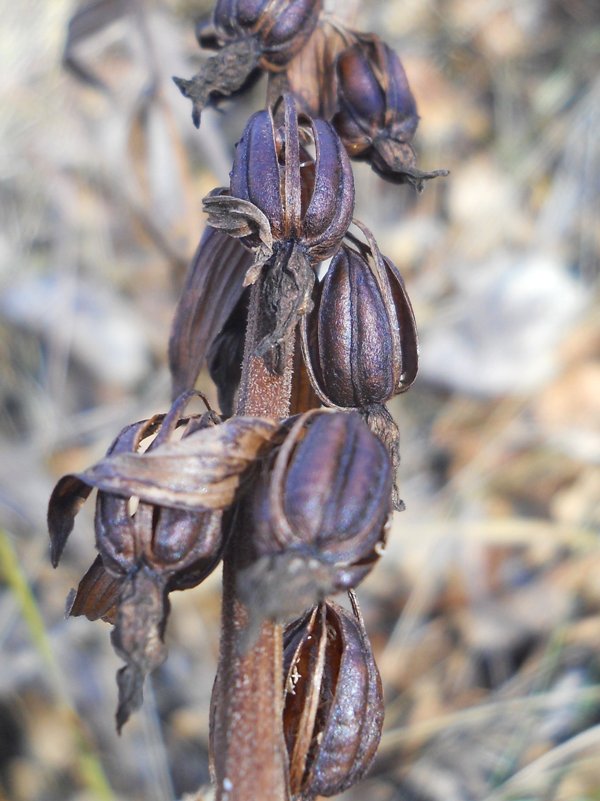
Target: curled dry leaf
[{"x": 200, "y": 472}]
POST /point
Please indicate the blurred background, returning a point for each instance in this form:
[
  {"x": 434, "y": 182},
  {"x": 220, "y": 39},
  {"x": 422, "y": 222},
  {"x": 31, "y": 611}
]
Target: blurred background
[{"x": 485, "y": 611}]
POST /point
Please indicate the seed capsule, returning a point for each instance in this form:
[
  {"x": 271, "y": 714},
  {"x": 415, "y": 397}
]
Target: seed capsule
[
  {"x": 280, "y": 26},
  {"x": 172, "y": 540},
  {"x": 318, "y": 514},
  {"x": 271, "y": 170},
  {"x": 377, "y": 116},
  {"x": 333, "y": 708},
  {"x": 250, "y": 35},
  {"x": 360, "y": 340},
  {"x": 293, "y": 211}
]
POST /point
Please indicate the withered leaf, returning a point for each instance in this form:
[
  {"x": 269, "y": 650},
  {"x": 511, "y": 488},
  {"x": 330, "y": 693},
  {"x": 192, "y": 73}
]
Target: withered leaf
[
  {"x": 212, "y": 289},
  {"x": 200, "y": 472}
]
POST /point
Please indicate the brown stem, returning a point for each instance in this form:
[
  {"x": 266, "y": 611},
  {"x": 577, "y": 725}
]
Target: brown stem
[{"x": 249, "y": 754}]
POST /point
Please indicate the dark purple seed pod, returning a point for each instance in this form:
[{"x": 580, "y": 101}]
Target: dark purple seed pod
[
  {"x": 250, "y": 36},
  {"x": 291, "y": 209},
  {"x": 374, "y": 96},
  {"x": 162, "y": 544},
  {"x": 360, "y": 340},
  {"x": 318, "y": 513},
  {"x": 327, "y": 493},
  {"x": 167, "y": 540},
  {"x": 308, "y": 201},
  {"x": 333, "y": 707},
  {"x": 377, "y": 114},
  {"x": 281, "y": 27}
]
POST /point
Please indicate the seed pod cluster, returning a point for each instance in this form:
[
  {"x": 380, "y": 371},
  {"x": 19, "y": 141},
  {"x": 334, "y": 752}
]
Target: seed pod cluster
[
  {"x": 298, "y": 506},
  {"x": 170, "y": 538},
  {"x": 333, "y": 712}
]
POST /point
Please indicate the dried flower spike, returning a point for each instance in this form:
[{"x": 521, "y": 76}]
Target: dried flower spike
[
  {"x": 377, "y": 115},
  {"x": 333, "y": 713},
  {"x": 252, "y": 34}
]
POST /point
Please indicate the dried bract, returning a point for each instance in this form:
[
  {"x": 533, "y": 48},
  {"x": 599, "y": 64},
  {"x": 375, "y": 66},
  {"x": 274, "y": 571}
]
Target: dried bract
[
  {"x": 333, "y": 709},
  {"x": 310, "y": 76},
  {"x": 224, "y": 358},
  {"x": 377, "y": 115},
  {"x": 251, "y": 35}
]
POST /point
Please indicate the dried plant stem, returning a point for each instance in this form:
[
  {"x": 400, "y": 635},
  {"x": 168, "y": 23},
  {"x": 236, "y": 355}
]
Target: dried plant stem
[{"x": 249, "y": 750}]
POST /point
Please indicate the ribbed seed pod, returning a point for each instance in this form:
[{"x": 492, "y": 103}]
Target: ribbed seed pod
[
  {"x": 293, "y": 211},
  {"x": 143, "y": 554},
  {"x": 269, "y": 171},
  {"x": 377, "y": 116},
  {"x": 333, "y": 708},
  {"x": 280, "y": 26},
  {"x": 318, "y": 514},
  {"x": 360, "y": 340},
  {"x": 250, "y": 35}
]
